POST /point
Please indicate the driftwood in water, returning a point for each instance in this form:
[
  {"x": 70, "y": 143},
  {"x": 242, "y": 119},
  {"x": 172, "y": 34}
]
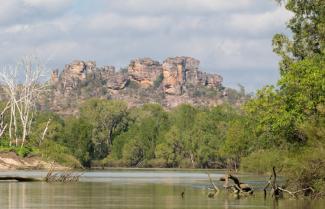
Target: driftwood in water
[
  {"x": 215, "y": 190},
  {"x": 238, "y": 187},
  {"x": 65, "y": 176},
  {"x": 277, "y": 191},
  {"x": 19, "y": 179}
]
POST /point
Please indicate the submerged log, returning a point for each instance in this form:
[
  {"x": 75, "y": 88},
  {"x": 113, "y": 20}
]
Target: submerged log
[
  {"x": 238, "y": 187},
  {"x": 215, "y": 191},
  {"x": 19, "y": 179}
]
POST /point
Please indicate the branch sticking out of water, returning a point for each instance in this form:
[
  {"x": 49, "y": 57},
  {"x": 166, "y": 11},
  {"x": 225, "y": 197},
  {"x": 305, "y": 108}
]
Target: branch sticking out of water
[{"x": 65, "y": 176}]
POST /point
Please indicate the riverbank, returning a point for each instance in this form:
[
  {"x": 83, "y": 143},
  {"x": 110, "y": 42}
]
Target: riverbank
[{"x": 12, "y": 161}]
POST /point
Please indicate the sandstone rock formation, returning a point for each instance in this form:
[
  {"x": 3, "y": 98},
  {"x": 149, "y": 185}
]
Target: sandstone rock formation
[
  {"x": 177, "y": 80},
  {"x": 78, "y": 72},
  {"x": 182, "y": 71},
  {"x": 81, "y": 80},
  {"x": 55, "y": 76},
  {"x": 177, "y": 73},
  {"x": 114, "y": 80},
  {"x": 78, "y": 69},
  {"x": 144, "y": 71}
]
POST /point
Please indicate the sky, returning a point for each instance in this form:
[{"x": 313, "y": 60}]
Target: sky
[{"x": 232, "y": 38}]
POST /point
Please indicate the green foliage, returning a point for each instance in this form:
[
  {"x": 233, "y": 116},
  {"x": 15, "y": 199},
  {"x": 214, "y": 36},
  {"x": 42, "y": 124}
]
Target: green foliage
[
  {"x": 149, "y": 122},
  {"x": 53, "y": 151},
  {"x": 308, "y": 27},
  {"x": 279, "y": 112},
  {"x": 289, "y": 118},
  {"x": 307, "y": 169},
  {"x": 239, "y": 139},
  {"x": 20, "y": 151},
  {"x": 133, "y": 153},
  {"x": 183, "y": 137},
  {"x": 158, "y": 81},
  {"x": 262, "y": 161},
  {"x": 108, "y": 119},
  {"x": 55, "y": 127},
  {"x": 303, "y": 87},
  {"x": 24, "y": 151},
  {"x": 77, "y": 137}
]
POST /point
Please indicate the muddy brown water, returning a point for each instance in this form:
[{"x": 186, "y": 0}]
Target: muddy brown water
[{"x": 138, "y": 189}]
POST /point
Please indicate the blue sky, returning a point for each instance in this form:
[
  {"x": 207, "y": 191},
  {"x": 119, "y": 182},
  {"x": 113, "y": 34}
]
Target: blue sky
[{"x": 229, "y": 37}]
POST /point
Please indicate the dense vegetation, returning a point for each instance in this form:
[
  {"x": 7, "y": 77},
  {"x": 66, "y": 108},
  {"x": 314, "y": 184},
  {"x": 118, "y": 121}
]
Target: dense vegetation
[{"x": 282, "y": 126}]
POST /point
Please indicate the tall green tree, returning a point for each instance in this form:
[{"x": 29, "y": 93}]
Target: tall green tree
[
  {"x": 77, "y": 136},
  {"x": 108, "y": 119},
  {"x": 308, "y": 32}
]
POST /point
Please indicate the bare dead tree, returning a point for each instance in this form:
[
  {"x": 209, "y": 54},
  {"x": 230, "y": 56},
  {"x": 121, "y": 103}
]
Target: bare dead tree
[
  {"x": 22, "y": 86},
  {"x": 45, "y": 130},
  {"x": 277, "y": 191},
  {"x": 215, "y": 191},
  {"x": 3, "y": 125}
]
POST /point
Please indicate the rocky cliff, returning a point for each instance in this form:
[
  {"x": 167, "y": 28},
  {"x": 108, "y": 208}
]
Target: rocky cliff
[
  {"x": 176, "y": 80},
  {"x": 144, "y": 71}
]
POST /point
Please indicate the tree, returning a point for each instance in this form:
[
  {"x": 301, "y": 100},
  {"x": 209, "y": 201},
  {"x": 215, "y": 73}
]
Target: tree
[
  {"x": 150, "y": 122},
  {"x": 46, "y": 126},
  {"x": 239, "y": 140},
  {"x": 308, "y": 28},
  {"x": 108, "y": 119},
  {"x": 77, "y": 136},
  {"x": 172, "y": 148},
  {"x": 303, "y": 86},
  {"x": 23, "y": 87}
]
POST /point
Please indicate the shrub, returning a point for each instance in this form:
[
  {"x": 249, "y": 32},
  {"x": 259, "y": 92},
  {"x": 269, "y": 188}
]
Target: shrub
[
  {"x": 307, "y": 169},
  {"x": 158, "y": 81},
  {"x": 110, "y": 162},
  {"x": 262, "y": 161},
  {"x": 156, "y": 163},
  {"x": 53, "y": 151}
]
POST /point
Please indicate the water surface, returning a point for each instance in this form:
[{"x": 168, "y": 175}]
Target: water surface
[{"x": 117, "y": 189}]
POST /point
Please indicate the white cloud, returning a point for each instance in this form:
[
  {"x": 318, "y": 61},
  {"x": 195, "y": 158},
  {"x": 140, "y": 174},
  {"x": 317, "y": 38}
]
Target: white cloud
[
  {"x": 49, "y": 5},
  {"x": 8, "y": 10},
  {"x": 261, "y": 21},
  {"x": 226, "y": 35},
  {"x": 180, "y": 6},
  {"x": 105, "y": 22},
  {"x": 26, "y": 11}
]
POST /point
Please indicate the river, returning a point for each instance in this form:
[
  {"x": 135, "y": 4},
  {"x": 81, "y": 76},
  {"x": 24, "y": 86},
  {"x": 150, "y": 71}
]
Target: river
[{"x": 137, "y": 189}]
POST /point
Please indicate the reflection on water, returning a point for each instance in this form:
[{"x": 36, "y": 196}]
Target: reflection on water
[{"x": 133, "y": 189}]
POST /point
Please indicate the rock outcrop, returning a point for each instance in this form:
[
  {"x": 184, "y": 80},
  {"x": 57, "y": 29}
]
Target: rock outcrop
[
  {"x": 144, "y": 71},
  {"x": 80, "y": 72},
  {"x": 81, "y": 80},
  {"x": 179, "y": 72},
  {"x": 177, "y": 80},
  {"x": 113, "y": 80},
  {"x": 55, "y": 76},
  {"x": 176, "y": 72}
]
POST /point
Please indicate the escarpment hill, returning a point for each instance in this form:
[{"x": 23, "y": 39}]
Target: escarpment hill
[{"x": 175, "y": 81}]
